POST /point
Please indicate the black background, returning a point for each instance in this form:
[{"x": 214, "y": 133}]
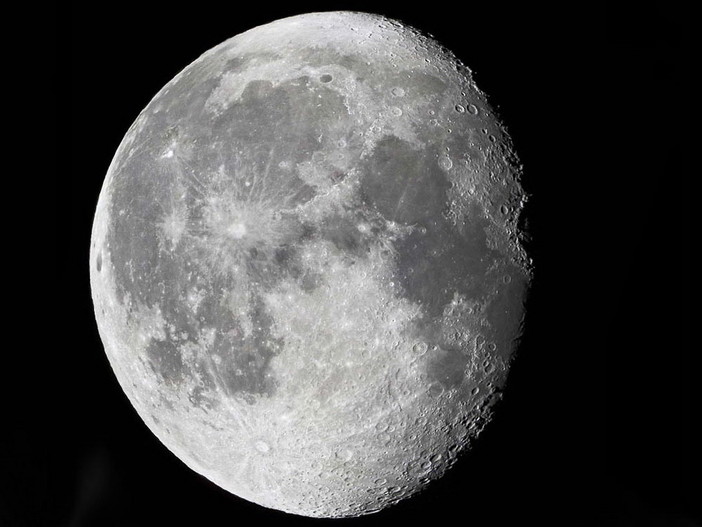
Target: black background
[{"x": 595, "y": 426}]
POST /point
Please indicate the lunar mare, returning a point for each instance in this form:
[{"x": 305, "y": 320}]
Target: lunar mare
[{"x": 306, "y": 263}]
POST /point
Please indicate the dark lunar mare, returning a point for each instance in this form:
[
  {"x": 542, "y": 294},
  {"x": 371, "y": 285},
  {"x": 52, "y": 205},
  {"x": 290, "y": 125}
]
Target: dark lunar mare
[{"x": 269, "y": 125}]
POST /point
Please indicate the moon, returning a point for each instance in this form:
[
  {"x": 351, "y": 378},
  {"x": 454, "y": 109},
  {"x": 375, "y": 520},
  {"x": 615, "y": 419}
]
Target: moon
[{"x": 307, "y": 265}]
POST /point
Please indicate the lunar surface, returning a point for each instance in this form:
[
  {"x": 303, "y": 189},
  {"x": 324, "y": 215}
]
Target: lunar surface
[{"x": 306, "y": 263}]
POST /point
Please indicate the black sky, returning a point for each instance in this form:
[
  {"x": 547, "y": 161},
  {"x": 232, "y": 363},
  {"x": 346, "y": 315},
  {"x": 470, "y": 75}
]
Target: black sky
[{"x": 595, "y": 426}]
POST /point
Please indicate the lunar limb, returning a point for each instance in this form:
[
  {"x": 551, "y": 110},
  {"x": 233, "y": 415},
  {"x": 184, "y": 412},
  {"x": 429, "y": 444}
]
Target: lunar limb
[{"x": 306, "y": 263}]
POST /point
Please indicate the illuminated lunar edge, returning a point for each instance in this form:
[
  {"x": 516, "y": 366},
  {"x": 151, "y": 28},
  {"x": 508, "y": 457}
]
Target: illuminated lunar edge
[{"x": 306, "y": 266}]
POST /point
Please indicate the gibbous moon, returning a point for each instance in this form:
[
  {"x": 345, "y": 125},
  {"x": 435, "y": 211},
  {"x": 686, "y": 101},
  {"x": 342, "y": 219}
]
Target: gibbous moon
[{"x": 306, "y": 263}]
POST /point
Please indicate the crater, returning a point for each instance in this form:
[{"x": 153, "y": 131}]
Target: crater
[{"x": 262, "y": 447}]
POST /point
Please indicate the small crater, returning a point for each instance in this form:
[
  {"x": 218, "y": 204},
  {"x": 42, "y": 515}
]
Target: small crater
[
  {"x": 98, "y": 262},
  {"x": 445, "y": 163},
  {"x": 236, "y": 230},
  {"x": 325, "y": 78},
  {"x": 344, "y": 454},
  {"x": 420, "y": 348},
  {"x": 337, "y": 176},
  {"x": 435, "y": 389},
  {"x": 262, "y": 447}
]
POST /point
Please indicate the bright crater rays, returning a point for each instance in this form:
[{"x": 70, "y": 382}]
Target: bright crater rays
[{"x": 306, "y": 263}]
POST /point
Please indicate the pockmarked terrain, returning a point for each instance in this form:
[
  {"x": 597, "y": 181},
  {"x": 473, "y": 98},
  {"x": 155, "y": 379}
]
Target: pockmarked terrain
[{"x": 306, "y": 263}]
